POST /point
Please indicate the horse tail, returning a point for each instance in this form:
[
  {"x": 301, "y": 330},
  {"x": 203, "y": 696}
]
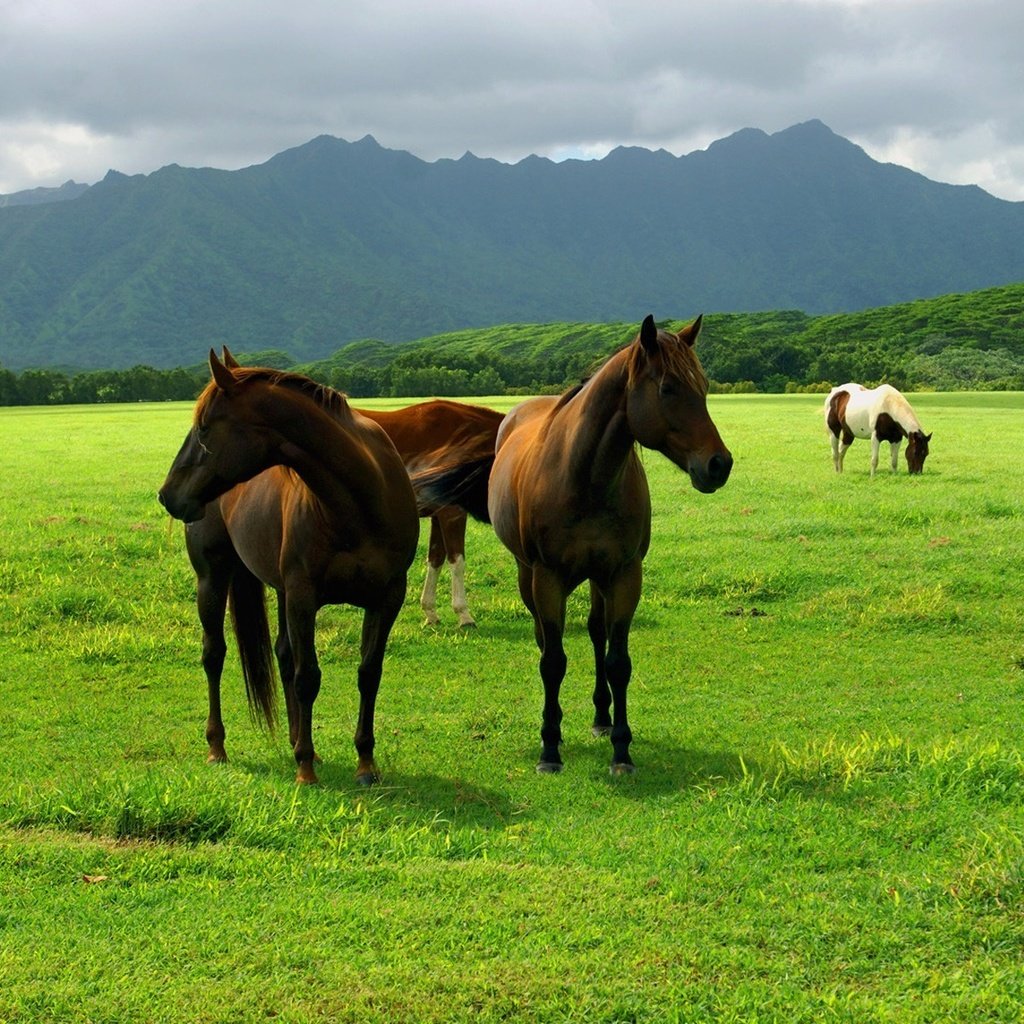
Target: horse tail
[
  {"x": 248, "y": 605},
  {"x": 463, "y": 484}
]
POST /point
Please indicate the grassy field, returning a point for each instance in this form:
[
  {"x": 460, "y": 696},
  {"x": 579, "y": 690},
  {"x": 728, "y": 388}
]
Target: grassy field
[{"x": 827, "y": 822}]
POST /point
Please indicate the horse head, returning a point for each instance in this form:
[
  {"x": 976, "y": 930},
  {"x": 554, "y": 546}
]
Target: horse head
[
  {"x": 667, "y": 404},
  {"x": 226, "y": 445},
  {"x": 917, "y": 450}
]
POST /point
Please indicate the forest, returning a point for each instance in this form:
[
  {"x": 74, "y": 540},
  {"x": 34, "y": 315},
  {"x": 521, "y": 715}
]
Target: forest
[{"x": 961, "y": 342}]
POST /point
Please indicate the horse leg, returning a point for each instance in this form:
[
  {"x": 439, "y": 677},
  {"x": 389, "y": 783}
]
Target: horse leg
[
  {"x": 377, "y": 625},
  {"x": 894, "y": 454},
  {"x": 620, "y": 604},
  {"x": 211, "y": 601},
  {"x": 214, "y": 559},
  {"x": 300, "y": 613},
  {"x": 435, "y": 558},
  {"x": 845, "y": 440},
  {"x": 876, "y": 443},
  {"x": 452, "y": 523},
  {"x": 549, "y": 624},
  {"x": 598, "y": 631},
  {"x": 286, "y": 667},
  {"x": 837, "y": 460}
]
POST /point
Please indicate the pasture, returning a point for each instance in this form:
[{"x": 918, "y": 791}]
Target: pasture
[{"x": 827, "y": 821}]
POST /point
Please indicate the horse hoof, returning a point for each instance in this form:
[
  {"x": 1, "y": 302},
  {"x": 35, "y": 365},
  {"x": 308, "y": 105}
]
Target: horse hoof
[
  {"x": 549, "y": 767},
  {"x": 601, "y": 730},
  {"x": 213, "y": 758},
  {"x": 467, "y": 625},
  {"x": 621, "y": 768},
  {"x": 368, "y": 779},
  {"x": 306, "y": 776}
]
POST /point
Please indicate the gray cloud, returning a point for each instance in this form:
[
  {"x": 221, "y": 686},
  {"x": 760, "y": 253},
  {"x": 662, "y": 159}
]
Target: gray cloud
[{"x": 937, "y": 85}]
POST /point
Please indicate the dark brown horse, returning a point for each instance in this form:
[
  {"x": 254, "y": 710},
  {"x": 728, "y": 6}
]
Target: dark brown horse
[
  {"x": 279, "y": 482},
  {"x": 569, "y": 498},
  {"x": 425, "y": 434}
]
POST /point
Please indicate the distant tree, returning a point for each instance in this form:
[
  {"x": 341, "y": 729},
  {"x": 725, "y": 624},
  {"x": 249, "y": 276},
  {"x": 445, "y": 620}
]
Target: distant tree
[
  {"x": 9, "y": 390},
  {"x": 42, "y": 387}
]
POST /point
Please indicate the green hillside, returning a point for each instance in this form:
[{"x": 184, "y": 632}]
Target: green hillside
[{"x": 955, "y": 342}]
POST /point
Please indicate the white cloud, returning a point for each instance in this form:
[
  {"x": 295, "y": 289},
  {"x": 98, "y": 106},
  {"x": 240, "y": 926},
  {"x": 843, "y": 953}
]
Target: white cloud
[{"x": 935, "y": 84}]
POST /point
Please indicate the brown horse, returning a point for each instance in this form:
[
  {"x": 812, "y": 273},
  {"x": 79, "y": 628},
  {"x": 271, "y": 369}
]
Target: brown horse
[
  {"x": 424, "y": 435},
  {"x": 569, "y": 498},
  {"x": 279, "y": 482}
]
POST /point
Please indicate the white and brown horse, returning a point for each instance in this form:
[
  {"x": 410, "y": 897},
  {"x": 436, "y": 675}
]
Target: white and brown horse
[{"x": 881, "y": 414}]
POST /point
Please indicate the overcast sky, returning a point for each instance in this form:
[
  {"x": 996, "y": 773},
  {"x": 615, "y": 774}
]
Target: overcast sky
[{"x": 934, "y": 85}]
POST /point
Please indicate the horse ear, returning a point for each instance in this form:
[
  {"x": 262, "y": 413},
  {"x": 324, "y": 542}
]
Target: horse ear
[
  {"x": 649, "y": 335},
  {"x": 222, "y": 375},
  {"x": 229, "y": 360},
  {"x": 928, "y": 437},
  {"x": 688, "y": 335}
]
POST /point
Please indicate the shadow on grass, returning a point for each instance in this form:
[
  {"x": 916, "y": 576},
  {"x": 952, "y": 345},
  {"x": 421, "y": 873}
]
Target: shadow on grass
[
  {"x": 453, "y": 799},
  {"x": 424, "y": 797},
  {"x": 660, "y": 767}
]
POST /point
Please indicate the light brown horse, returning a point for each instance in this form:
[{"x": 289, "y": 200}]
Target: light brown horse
[
  {"x": 569, "y": 498},
  {"x": 279, "y": 482},
  {"x": 425, "y": 434}
]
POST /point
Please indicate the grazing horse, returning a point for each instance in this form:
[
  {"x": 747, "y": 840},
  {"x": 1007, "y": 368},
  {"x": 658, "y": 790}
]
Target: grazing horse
[
  {"x": 568, "y": 497},
  {"x": 882, "y": 414},
  {"x": 280, "y": 482},
  {"x": 424, "y": 435}
]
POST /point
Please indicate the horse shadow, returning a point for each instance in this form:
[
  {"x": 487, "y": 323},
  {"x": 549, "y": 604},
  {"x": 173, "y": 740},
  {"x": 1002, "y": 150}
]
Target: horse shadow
[
  {"x": 661, "y": 767},
  {"x": 425, "y": 796}
]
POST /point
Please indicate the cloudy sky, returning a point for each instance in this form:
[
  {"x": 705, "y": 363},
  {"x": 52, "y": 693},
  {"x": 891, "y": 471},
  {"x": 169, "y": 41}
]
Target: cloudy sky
[{"x": 935, "y": 85}]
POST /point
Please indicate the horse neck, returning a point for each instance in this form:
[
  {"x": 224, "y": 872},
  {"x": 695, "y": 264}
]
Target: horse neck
[
  {"x": 332, "y": 461},
  {"x": 599, "y": 440},
  {"x": 899, "y": 409}
]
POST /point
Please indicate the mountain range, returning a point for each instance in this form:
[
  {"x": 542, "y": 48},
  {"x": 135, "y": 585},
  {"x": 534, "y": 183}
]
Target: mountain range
[{"x": 337, "y": 241}]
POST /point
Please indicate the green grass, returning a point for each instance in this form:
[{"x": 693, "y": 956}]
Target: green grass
[{"x": 827, "y": 822}]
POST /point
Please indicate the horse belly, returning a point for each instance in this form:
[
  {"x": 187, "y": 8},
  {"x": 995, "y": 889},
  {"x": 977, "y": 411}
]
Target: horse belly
[
  {"x": 858, "y": 419},
  {"x": 362, "y": 577},
  {"x": 254, "y": 520}
]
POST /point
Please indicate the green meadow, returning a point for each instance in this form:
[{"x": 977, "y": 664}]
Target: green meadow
[{"x": 827, "y": 823}]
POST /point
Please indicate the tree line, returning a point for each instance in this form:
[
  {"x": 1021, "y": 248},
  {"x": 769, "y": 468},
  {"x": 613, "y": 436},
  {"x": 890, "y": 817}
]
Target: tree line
[
  {"x": 138, "y": 384},
  {"x": 949, "y": 343},
  {"x": 954, "y": 368},
  {"x": 951, "y": 369}
]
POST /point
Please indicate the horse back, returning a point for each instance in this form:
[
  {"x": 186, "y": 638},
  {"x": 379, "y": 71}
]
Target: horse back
[{"x": 437, "y": 425}]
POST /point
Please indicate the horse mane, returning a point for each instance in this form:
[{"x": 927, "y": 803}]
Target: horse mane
[
  {"x": 571, "y": 393},
  {"x": 679, "y": 361},
  {"x": 324, "y": 396}
]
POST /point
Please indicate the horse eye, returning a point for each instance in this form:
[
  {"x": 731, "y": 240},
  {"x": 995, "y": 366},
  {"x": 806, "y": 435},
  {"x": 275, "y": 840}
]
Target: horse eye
[
  {"x": 203, "y": 432},
  {"x": 668, "y": 388}
]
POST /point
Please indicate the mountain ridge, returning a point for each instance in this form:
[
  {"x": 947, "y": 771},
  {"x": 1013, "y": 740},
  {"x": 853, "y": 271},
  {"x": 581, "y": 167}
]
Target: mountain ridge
[{"x": 335, "y": 241}]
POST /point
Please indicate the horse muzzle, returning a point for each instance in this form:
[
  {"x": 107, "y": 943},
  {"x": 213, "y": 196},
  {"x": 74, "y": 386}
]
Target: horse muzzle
[
  {"x": 187, "y": 510},
  {"x": 710, "y": 476}
]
